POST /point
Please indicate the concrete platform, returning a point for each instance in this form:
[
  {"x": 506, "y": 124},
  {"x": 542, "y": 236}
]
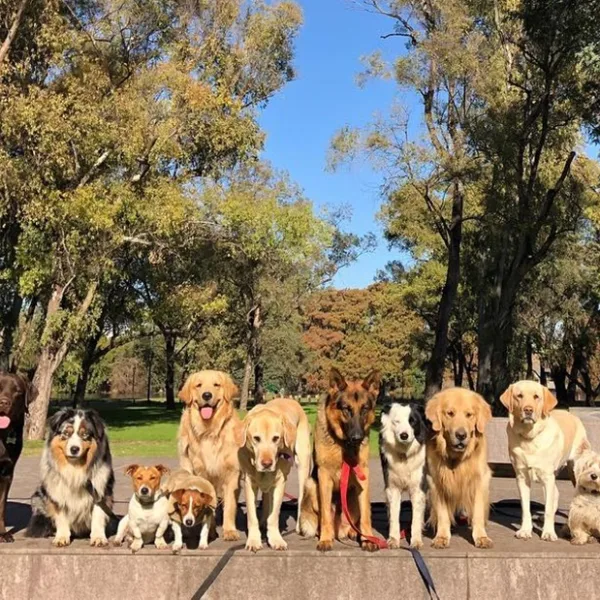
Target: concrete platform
[{"x": 513, "y": 569}]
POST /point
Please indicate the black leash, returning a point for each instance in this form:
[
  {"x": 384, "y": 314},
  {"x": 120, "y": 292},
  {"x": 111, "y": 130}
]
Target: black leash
[
  {"x": 218, "y": 568},
  {"x": 424, "y": 572},
  {"x": 100, "y": 502}
]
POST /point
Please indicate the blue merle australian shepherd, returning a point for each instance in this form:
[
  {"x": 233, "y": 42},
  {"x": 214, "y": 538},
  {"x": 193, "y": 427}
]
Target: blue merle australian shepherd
[{"x": 76, "y": 493}]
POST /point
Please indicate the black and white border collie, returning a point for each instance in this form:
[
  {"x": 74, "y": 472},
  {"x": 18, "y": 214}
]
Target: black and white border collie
[
  {"x": 402, "y": 439},
  {"x": 77, "y": 478}
]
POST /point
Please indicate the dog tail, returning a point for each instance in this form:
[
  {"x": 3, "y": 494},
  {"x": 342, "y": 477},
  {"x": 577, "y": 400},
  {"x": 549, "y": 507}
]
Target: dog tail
[
  {"x": 309, "y": 511},
  {"x": 40, "y": 525}
]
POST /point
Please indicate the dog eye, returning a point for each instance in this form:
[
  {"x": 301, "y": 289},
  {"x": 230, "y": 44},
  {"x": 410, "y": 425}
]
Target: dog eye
[
  {"x": 450, "y": 413},
  {"x": 469, "y": 415},
  {"x": 256, "y": 438},
  {"x": 198, "y": 385},
  {"x": 217, "y": 385},
  {"x": 536, "y": 397},
  {"x": 275, "y": 438},
  {"x": 520, "y": 396}
]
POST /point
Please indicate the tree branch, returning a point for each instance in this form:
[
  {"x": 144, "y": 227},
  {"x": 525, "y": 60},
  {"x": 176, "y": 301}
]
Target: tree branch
[{"x": 12, "y": 32}]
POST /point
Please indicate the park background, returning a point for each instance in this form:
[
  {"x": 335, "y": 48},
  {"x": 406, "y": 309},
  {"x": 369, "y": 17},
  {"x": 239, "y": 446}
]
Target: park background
[{"x": 273, "y": 188}]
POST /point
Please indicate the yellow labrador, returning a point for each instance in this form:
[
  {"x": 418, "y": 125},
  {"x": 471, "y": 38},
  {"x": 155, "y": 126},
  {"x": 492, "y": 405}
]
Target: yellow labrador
[
  {"x": 273, "y": 434},
  {"x": 540, "y": 442}
]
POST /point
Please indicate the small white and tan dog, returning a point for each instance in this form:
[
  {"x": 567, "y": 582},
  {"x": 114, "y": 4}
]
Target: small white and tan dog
[
  {"x": 584, "y": 514},
  {"x": 148, "y": 517}
]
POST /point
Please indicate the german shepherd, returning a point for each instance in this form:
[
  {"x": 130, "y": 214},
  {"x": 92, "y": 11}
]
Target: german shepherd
[{"x": 341, "y": 433}]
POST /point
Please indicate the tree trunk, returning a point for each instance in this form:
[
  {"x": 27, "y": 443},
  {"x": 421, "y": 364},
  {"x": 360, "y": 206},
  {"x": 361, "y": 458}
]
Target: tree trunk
[
  {"x": 24, "y": 333},
  {"x": 12, "y": 32},
  {"x": 246, "y": 383},
  {"x": 259, "y": 390},
  {"x": 52, "y": 355},
  {"x": 435, "y": 369},
  {"x": 529, "y": 357},
  {"x": 149, "y": 379},
  {"x": 87, "y": 362},
  {"x": 559, "y": 376},
  {"x": 170, "y": 369},
  {"x": 543, "y": 375}
]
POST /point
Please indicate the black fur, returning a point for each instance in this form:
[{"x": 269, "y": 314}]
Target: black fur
[{"x": 15, "y": 396}]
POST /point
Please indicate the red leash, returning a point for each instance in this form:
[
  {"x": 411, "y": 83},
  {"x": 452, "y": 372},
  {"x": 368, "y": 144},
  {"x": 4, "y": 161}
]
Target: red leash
[{"x": 346, "y": 469}]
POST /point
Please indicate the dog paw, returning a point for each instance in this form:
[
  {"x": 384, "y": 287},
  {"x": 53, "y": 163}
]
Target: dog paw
[
  {"x": 202, "y": 546},
  {"x": 369, "y": 546},
  {"x": 117, "y": 543},
  {"x": 440, "y": 542},
  {"x": 524, "y": 534},
  {"x": 393, "y": 543},
  {"x": 277, "y": 542},
  {"x": 6, "y": 538},
  {"x": 61, "y": 541},
  {"x": 231, "y": 535},
  {"x": 549, "y": 536},
  {"x": 484, "y": 542},
  {"x": 176, "y": 548},
  {"x": 254, "y": 544},
  {"x": 99, "y": 542},
  {"x": 579, "y": 540},
  {"x": 136, "y": 545},
  {"x": 325, "y": 546},
  {"x": 160, "y": 544},
  {"x": 416, "y": 543}
]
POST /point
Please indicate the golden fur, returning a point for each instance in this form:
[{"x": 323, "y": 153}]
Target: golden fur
[
  {"x": 209, "y": 447},
  {"x": 273, "y": 434},
  {"x": 584, "y": 513},
  {"x": 347, "y": 412},
  {"x": 458, "y": 477},
  {"x": 540, "y": 442}
]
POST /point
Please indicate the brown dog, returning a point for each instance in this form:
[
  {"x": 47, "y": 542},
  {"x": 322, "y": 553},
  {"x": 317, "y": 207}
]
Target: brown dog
[
  {"x": 458, "y": 473},
  {"x": 209, "y": 433},
  {"x": 15, "y": 395},
  {"x": 341, "y": 434}
]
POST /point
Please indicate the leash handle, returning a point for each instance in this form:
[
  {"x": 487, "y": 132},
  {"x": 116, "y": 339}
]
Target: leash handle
[{"x": 344, "y": 480}]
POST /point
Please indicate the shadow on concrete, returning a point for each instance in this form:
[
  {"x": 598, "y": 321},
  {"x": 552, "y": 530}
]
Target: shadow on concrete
[{"x": 18, "y": 515}]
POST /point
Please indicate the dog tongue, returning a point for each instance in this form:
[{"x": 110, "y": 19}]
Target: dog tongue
[
  {"x": 206, "y": 412},
  {"x": 4, "y": 422}
]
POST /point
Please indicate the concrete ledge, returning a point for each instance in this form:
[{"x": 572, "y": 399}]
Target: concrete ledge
[{"x": 351, "y": 574}]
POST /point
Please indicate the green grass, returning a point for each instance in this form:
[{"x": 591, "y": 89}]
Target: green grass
[{"x": 141, "y": 429}]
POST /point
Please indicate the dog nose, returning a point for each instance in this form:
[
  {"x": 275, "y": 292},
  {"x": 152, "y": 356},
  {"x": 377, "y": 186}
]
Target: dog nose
[
  {"x": 206, "y": 396},
  {"x": 356, "y": 437},
  {"x": 404, "y": 436},
  {"x": 144, "y": 490},
  {"x": 528, "y": 410},
  {"x": 188, "y": 522},
  {"x": 593, "y": 476},
  {"x": 75, "y": 450},
  {"x": 266, "y": 462},
  {"x": 461, "y": 435}
]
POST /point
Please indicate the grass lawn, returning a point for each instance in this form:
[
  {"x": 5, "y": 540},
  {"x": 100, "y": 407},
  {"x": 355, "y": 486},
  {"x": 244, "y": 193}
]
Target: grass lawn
[{"x": 142, "y": 429}]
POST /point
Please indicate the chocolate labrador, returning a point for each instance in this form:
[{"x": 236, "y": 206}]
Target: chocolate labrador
[{"x": 15, "y": 395}]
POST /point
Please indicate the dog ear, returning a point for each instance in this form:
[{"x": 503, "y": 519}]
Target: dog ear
[
  {"x": 94, "y": 419},
  {"x": 59, "y": 418},
  {"x": 484, "y": 413},
  {"x": 30, "y": 391},
  {"x": 162, "y": 469},
  {"x": 207, "y": 499},
  {"x": 336, "y": 380},
  {"x": 177, "y": 496},
  {"x": 582, "y": 448},
  {"x": 289, "y": 432},
  {"x": 550, "y": 401},
  {"x": 507, "y": 398},
  {"x": 230, "y": 390},
  {"x": 372, "y": 382},
  {"x": 185, "y": 393},
  {"x": 131, "y": 469},
  {"x": 241, "y": 433},
  {"x": 433, "y": 412}
]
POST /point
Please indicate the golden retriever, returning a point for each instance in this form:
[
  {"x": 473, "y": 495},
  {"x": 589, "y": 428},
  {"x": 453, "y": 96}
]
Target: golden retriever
[
  {"x": 458, "y": 473},
  {"x": 274, "y": 433},
  {"x": 208, "y": 439},
  {"x": 540, "y": 442}
]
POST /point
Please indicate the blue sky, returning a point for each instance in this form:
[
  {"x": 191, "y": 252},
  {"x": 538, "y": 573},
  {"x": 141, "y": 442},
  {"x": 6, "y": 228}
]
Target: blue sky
[{"x": 301, "y": 120}]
